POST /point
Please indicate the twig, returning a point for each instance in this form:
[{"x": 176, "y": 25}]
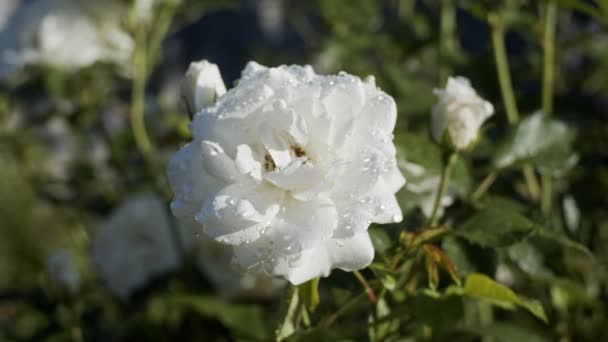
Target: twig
[{"x": 370, "y": 292}]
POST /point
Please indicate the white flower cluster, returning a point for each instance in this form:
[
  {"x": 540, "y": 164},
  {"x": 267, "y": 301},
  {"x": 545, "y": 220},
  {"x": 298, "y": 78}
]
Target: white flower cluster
[
  {"x": 67, "y": 34},
  {"x": 290, "y": 168},
  {"x": 135, "y": 245},
  {"x": 459, "y": 114},
  {"x": 62, "y": 271}
]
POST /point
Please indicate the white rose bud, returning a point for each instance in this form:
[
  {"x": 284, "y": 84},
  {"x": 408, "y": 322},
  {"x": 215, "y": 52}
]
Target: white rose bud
[
  {"x": 459, "y": 114},
  {"x": 290, "y": 168},
  {"x": 62, "y": 272},
  {"x": 134, "y": 245},
  {"x": 202, "y": 85}
]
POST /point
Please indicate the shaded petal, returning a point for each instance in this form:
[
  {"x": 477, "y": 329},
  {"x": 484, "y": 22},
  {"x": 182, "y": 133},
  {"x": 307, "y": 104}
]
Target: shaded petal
[
  {"x": 303, "y": 225},
  {"x": 386, "y": 208},
  {"x": 246, "y": 163},
  {"x": 217, "y": 163},
  {"x": 378, "y": 116},
  {"x": 342, "y": 100},
  {"x": 189, "y": 181},
  {"x": 348, "y": 254},
  {"x": 354, "y": 218},
  {"x": 394, "y": 179},
  {"x": 240, "y": 213}
]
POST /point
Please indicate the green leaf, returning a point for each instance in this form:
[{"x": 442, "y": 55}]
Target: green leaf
[
  {"x": 480, "y": 286},
  {"x": 245, "y": 320},
  {"x": 496, "y": 226},
  {"x": 562, "y": 239},
  {"x": 502, "y": 223},
  {"x": 380, "y": 239},
  {"x": 424, "y": 306},
  {"x": 541, "y": 141}
]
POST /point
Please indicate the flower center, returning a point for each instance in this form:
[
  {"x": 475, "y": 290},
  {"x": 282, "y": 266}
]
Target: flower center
[{"x": 296, "y": 151}]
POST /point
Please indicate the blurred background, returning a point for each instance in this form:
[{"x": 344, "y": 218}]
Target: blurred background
[{"x": 90, "y": 112}]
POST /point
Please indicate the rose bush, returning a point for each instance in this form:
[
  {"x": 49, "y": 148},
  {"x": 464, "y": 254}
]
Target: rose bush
[{"x": 271, "y": 168}]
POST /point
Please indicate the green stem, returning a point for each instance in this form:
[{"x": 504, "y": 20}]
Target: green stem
[
  {"x": 305, "y": 317},
  {"x": 483, "y": 187},
  {"x": 506, "y": 89},
  {"x": 140, "y": 70},
  {"x": 532, "y": 182},
  {"x": 446, "y": 38},
  {"x": 548, "y": 79},
  {"x": 549, "y": 57},
  {"x": 326, "y": 323},
  {"x": 546, "y": 197},
  {"x": 502, "y": 67},
  {"x": 443, "y": 186},
  {"x": 486, "y": 318},
  {"x": 289, "y": 311}
]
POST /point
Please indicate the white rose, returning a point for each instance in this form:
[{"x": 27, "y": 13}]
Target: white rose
[
  {"x": 290, "y": 168},
  {"x": 459, "y": 113},
  {"x": 134, "y": 245},
  {"x": 62, "y": 272},
  {"x": 67, "y": 34}
]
